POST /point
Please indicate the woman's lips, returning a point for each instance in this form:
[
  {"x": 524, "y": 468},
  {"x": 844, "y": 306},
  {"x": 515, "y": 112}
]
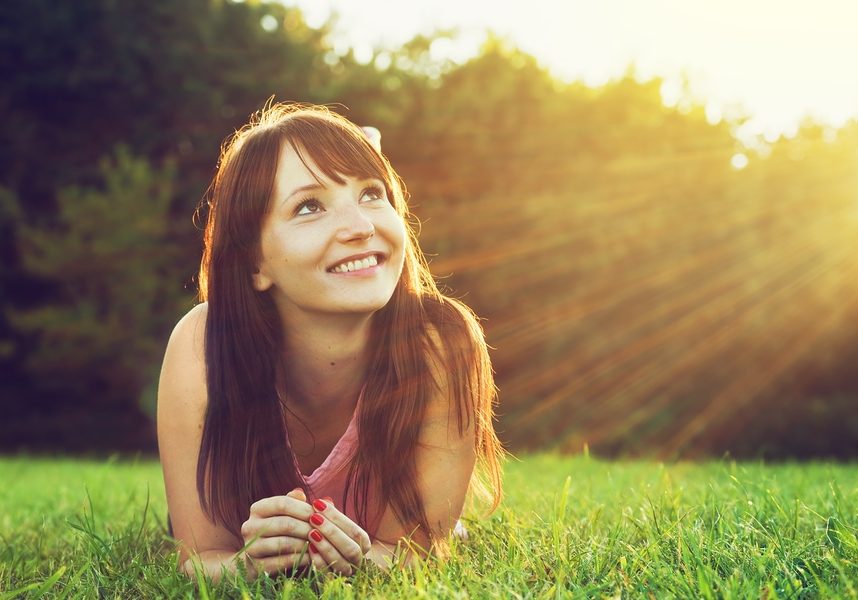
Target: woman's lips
[{"x": 358, "y": 264}]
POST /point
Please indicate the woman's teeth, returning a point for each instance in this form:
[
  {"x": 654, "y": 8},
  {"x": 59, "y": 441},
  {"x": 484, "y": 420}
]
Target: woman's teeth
[{"x": 356, "y": 265}]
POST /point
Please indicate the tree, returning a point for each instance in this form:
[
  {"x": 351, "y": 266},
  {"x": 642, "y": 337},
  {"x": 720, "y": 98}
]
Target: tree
[{"x": 99, "y": 338}]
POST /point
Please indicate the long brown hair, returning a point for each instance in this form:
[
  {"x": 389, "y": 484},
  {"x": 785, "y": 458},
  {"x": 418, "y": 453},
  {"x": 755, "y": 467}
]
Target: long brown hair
[{"x": 419, "y": 333}]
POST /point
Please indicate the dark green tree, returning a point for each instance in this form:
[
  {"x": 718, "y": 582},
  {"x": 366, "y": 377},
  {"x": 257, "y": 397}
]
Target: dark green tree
[{"x": 99, "y": 338}]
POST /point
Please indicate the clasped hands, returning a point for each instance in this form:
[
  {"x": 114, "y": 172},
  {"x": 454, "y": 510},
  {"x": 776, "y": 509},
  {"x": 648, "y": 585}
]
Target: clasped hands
[{"x": 286, "y": 533}]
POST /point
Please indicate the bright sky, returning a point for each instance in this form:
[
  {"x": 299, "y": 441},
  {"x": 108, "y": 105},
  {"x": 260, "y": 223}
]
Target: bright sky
[{"x": 777, "y": 60}]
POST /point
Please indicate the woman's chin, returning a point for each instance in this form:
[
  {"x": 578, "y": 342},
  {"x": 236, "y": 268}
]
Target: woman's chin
[
  {"x": 359, "y": 306},
  {"x": 364, "y": 308}
]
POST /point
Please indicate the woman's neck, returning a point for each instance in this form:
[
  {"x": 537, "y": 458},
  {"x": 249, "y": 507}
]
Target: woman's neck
[{"x": 326, "y": 360}]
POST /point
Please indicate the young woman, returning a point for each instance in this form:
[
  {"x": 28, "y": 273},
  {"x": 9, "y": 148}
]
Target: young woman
[{"x": 324, "y": 401}]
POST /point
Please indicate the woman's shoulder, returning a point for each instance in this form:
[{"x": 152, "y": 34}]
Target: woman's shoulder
[
  {"x": 196, "y": 315},
  {"x": 456, "y": 347},
  {"x": 183, "y": 372},
  {"x": 189, "y": 332},
  {"x": 453, "y": 327}
]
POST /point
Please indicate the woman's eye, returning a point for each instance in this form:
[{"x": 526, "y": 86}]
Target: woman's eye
[
  {"x": 374, "y": 192},
  {"x": 308, "y": 207}
]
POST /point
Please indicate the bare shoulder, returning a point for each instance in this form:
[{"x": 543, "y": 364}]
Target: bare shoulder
[
  {"x": 183, "y": 370},
  {"x": 182, "y": 393},
  {"x": 456, "y": 346},
  {"x": 189, "y": 332},
  {"x": 438, "y": 359}
]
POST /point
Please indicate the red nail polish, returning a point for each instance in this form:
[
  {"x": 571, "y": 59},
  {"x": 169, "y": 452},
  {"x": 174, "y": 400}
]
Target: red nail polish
[
  {"x": 315, "y": 536},
  {"x": 313, "y": 549},
  {"x": 317, "y": 519},
  {"x": 319, "y": 505}
]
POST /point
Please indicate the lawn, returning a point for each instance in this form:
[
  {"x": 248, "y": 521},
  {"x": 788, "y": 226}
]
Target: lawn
[{"x": 569, "y": 527}]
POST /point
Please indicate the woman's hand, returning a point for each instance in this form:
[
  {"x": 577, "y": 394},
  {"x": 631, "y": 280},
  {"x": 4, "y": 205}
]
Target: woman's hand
[
  {"x": 276, "y": 533},
  {"x": 337, "y": 543}
]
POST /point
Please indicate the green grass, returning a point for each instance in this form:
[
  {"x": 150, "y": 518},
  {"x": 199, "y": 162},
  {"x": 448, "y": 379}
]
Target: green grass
[{"x": 570, "y": 527}]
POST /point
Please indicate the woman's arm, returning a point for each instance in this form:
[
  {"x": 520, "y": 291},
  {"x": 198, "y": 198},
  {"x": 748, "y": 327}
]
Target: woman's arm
[
  {"x": 445, "y": 460},
  {"x": 273, "y": 538},
  {"x": 445, "y": 465},
  {"x": 182, "y": 400}
]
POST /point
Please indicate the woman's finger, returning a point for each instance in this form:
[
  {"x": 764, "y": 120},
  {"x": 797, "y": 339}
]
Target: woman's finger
[
  {"x": 321, "y": 566},
  {"x": 325, "y": 533},
  {"x": 281, "y": 506},
  {"x": 326, "y": 557},
  {"x": 280, "y": 564},
  {"x": 275, "y": 527},
  {"x": 330, "y": 514},
  {"x": 276, "y": 546}
]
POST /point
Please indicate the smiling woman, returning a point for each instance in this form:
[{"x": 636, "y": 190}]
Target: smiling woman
[{"x": 325, "y": 404}]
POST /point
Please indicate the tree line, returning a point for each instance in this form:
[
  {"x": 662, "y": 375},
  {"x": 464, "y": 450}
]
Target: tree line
[{"x": 642, "y": 294}]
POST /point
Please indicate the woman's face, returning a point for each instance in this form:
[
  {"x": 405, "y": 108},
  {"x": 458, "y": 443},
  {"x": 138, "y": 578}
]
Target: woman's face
[{"x": 328, "y": 248}]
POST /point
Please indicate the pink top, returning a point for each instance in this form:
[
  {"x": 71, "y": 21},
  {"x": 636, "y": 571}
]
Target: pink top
[{"x": 329, "y": 478}]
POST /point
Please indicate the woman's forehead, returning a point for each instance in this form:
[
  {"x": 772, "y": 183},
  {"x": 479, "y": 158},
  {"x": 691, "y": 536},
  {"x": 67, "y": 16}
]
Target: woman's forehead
[
  {"x": 296, "y": 168},
  {"x": 321, "y": 163}
]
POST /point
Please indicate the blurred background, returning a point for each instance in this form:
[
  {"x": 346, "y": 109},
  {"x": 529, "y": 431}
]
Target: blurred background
[{"x": 652, "y": 205}]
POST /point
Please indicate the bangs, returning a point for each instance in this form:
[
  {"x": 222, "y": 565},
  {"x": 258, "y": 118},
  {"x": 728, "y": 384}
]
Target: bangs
[{"x": 339, "y": 149}]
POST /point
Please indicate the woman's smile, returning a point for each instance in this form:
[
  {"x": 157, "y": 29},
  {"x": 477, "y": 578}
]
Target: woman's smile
[{"x": 367, "y": 263}]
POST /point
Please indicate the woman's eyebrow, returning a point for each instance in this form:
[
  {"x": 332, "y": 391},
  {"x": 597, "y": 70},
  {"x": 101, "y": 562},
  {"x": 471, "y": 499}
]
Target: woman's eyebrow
[
  {"x": 304, "y": 188},
  {"x": 371, "y": 179}
]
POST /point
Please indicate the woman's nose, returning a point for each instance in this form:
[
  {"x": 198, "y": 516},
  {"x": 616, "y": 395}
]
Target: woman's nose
[{"x": 354, "y": 224}]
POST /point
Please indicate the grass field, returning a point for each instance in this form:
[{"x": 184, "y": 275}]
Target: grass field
[{"x": 569, "y": 527}]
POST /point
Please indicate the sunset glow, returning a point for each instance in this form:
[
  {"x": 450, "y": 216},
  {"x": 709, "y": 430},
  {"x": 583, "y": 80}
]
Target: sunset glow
[{"x": 774, "y": 61}]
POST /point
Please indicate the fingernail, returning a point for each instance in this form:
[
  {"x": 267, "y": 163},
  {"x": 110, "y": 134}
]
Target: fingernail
[
  {"x": 319, "y": 505},
  {"x": 317, "y": 519},
  {"x": 315, "y": 536},
  {"x": 313, "y": 549}
]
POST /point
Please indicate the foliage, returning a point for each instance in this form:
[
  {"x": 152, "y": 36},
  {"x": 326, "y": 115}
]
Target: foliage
[
  {"x": 100, "y": 336},
  {"x": 167, "y": 78},
  {"x": 570, "y": 527},
  {"x": 10, "y": 216},
  {"x": 642, "y": 295}
]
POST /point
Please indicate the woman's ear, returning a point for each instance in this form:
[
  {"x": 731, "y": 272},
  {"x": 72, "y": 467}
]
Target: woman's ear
[{"x": 261, "y": 282}]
